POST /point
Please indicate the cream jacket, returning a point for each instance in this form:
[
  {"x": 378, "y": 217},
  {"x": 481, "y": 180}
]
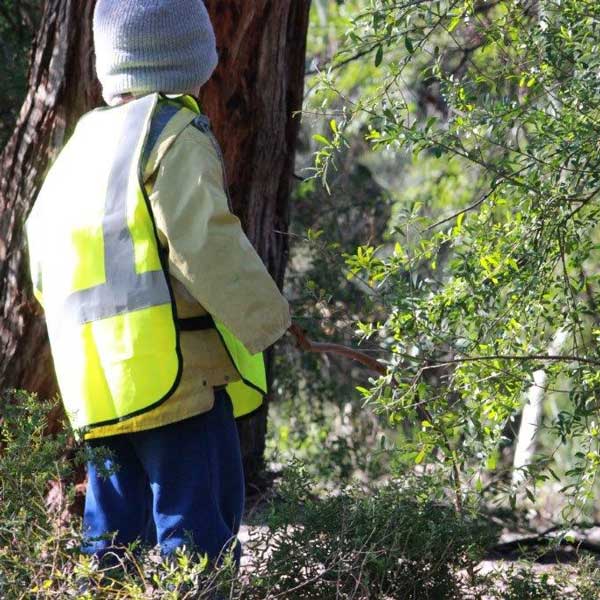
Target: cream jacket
[{"x": 213, "y": 269}]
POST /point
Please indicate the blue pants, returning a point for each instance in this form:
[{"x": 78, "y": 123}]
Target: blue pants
[{"x": 178, "y": 484}]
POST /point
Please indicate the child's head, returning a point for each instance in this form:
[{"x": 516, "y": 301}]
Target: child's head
[{"x": 145, "y": 46}]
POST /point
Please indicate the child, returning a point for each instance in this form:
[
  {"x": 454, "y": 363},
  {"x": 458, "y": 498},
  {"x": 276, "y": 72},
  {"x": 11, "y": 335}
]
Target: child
[{"x": 158, "y": 307}]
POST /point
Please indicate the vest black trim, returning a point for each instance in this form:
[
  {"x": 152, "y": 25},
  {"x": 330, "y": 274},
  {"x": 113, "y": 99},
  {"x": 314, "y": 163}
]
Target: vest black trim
[
  {"x": 197, "y": 323},
  {"x": 242, "y": 378}
]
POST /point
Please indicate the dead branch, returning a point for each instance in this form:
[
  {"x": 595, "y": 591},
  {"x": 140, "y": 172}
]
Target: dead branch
[{"x": 308, "y": 345}]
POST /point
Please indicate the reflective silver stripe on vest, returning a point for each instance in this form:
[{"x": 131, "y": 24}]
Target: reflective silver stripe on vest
[{"x": 124, "y": 290}]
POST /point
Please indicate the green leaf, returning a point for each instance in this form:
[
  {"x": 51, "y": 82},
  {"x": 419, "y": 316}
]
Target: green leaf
[
  {"x": 490, "y": 463},
  {"x": 554, "y": 475},
  {"x": 421, "y": 456},
  {"x": 529, "y": 494},
  {"x": 379, "y": 56},
  {"x": 453, "y": 23},
  {"x": 321, "y": 139}
]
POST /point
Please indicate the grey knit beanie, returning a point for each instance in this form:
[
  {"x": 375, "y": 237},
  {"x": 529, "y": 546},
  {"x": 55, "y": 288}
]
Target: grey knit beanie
[{"x": 145, "y": 46}]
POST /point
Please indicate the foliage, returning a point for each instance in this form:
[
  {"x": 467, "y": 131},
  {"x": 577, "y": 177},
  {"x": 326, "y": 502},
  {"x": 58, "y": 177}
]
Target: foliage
[
  {"x": 39, "y": 540},
  {"x": 318, "y": 416},
  {"x": 527, "y": 581},
  {"x": 28, "y": 462},
  {"x": 454, "y": 237},
  {"x": 393, "y": 541},
  {"x": 492, "y": 111},
  {"x": 390, "y": 541}
]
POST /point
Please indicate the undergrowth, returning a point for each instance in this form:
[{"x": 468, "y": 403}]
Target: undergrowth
[{"x": 391, "y": 541}]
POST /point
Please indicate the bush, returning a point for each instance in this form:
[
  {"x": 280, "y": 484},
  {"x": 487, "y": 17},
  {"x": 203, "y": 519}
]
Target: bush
[
  {"x": 396, "y": 541},
  {"x": 392, "y": 542},
  {"x": 527, "y": 581},
  {"x": 29, "y": 539},
  {"x": 40, "y": 540},
  {"x": 358, "y": 544}
]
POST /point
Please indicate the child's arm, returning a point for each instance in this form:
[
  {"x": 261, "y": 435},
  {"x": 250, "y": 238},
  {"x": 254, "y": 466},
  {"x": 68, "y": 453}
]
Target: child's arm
[{"x": 208, "y": 250}]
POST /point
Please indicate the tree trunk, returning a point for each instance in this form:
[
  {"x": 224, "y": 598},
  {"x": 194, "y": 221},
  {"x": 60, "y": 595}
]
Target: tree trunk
[
  {"x": 250, "y": 101},
  {"x": 531, "y": 418}
]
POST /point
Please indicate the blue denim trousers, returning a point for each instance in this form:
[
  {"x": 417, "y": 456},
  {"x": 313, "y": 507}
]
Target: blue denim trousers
[{"x": 178, "y": 484}]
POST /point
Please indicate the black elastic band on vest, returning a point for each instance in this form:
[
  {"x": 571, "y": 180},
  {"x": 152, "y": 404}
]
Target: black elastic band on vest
[{"x": 196, "y": 323}]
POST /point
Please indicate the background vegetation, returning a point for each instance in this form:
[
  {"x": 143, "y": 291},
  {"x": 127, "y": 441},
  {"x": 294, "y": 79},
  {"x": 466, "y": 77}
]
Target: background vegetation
[{"x": 445, "y": 222}]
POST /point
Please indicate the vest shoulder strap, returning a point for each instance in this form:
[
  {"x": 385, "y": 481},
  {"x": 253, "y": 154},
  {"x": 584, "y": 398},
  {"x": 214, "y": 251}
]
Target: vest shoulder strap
[{"x": 169, "y": 121}]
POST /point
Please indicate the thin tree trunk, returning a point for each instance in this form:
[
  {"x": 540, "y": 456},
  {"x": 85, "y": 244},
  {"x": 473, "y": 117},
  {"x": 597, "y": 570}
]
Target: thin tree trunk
[
  {"x": 531, "y": 418},
  {"x": 250, "y": 101}
]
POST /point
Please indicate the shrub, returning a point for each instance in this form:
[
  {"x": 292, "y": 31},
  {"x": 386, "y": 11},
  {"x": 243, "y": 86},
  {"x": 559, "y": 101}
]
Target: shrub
[
  {"x": 392, "y": 542},
  {"x": 396, "y": 541},
  {"x": 39, "y": 547}
]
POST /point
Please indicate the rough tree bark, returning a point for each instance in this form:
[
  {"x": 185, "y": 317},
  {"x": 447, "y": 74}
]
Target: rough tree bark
[
  {"x": 61, "y": 87},
  {"x": 250, "y": 100}
]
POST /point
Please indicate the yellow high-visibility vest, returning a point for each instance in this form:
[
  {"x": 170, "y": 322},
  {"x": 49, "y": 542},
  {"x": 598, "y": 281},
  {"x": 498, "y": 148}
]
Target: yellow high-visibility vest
[{"x": 99, "y": 271}]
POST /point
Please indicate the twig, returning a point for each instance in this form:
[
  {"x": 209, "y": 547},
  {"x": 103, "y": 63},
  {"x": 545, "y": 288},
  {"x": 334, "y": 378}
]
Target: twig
[
  {"x": 341, "y": 63},
  {"x": 469, "y": 208},
  {"x": 514, "y": 357},
  {"x": 326, "y": 348}
]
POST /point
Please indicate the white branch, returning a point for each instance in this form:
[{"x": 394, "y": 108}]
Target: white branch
[{"x": 531, "y": 419}]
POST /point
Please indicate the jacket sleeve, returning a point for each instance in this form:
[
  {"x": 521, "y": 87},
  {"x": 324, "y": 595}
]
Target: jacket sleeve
[{"x": 208, "y": 250}]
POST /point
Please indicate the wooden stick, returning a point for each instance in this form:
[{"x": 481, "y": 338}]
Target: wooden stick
[{"x": 308, "y": 345}]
